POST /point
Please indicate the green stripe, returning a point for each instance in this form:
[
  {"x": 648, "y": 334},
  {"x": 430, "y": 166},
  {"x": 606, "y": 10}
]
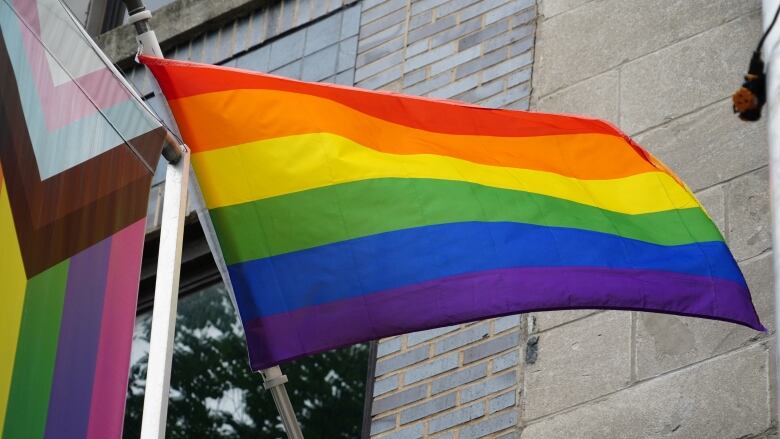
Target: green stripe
[
  {"x": 28, "y": 402},
  {"x": 345, "y": 211}
]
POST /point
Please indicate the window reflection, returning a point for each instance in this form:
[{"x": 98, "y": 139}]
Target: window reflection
[{"x": 215, "y": 395}]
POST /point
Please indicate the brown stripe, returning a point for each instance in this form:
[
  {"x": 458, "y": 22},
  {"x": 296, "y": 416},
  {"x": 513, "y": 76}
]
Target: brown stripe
[
  {"x": 150, "y": 148},
  {"x": 73, "y": 210}
]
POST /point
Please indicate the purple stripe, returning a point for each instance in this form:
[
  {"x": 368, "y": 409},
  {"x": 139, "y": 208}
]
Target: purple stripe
[
  {"x": 492, "y": 293},
  {"x": 71, "y": 394}
]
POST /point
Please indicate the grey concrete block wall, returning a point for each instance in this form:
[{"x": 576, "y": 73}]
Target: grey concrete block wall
[
  {"x": 725, "y": 397},
  {"x": 663, "y": 72}
]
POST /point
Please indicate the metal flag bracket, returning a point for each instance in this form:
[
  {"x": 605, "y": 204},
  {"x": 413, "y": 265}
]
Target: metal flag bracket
[{"x": 273, "y": 377}]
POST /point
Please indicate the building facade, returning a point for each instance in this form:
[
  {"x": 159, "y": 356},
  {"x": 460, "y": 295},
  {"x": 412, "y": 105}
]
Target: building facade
[{"x": 662, "y": 71}]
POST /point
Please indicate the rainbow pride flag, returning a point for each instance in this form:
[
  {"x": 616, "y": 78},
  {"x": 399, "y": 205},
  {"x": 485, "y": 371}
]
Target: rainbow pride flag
[
  {"x": 77, "y": 154},
  {"x": 346, "y": 215}
]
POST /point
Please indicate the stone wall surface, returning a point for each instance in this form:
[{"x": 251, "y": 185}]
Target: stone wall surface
[{"x": 663, "y": 71}]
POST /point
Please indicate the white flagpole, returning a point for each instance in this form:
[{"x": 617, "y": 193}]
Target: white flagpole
[
  {"x": 158, "y": 374},
  {"x": 166, "y": 290},
  {"x": 772, "y": 59},
  {"x": 274, "y": 380}
]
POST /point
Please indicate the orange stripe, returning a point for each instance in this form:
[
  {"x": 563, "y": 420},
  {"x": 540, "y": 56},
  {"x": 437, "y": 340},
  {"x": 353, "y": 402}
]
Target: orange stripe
[
  {"x": 181, "y": 79},
  {"x": 217, "y": 120}
]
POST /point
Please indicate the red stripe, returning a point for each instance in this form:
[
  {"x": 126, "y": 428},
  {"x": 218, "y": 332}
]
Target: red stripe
[{"x": 180, "y": 79}]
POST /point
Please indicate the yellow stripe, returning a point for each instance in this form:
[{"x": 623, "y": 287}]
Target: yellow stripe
[
  {"x": 279, "y": 166},
  {"x": 11, "y": 299},
  {"x": 223, "y": 119}
]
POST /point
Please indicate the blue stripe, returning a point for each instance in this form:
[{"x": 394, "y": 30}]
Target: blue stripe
[{"x": 395, "y": 259}]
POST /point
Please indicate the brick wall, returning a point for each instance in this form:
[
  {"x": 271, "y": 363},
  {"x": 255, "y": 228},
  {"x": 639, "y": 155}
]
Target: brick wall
[
  {"x": 455, "y": 380},
  {"x": 474, "y": 51},
  {"x": 663, "y": 71}
]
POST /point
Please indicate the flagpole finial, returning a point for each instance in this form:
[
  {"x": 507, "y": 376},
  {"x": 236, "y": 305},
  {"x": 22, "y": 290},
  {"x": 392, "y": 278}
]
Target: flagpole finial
[
  {"x": 148, "y": 44},
  {"x": 135, "y": 7},
  {"x": 139, "y": 16}
]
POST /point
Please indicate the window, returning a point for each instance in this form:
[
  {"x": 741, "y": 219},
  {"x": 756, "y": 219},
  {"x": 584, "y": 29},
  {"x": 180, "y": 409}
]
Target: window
[{"x": 214, "y": 394}]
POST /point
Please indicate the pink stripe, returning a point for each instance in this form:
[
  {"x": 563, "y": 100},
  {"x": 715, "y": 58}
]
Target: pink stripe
[
  {"x": 100, "y": 85},
  {"x": 113, "y": 357}
]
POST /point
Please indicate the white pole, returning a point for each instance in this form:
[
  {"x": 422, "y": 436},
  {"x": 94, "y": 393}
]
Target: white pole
[
  {"x": 274, "y": 380},
  {"x": 166, "y": 293},
  {"x": 158, "y": 373},
  {"x": 769, "y": 8},
  {"x": 166, "y": 290}
]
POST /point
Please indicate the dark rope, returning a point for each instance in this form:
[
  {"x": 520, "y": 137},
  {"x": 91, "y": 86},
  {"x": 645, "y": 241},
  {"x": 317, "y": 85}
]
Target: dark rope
[{"x": 769, "y": 29}]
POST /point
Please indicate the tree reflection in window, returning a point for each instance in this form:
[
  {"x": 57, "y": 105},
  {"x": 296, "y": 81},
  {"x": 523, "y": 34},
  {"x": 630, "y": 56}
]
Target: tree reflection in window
[{"x": 215, "y": 395}]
